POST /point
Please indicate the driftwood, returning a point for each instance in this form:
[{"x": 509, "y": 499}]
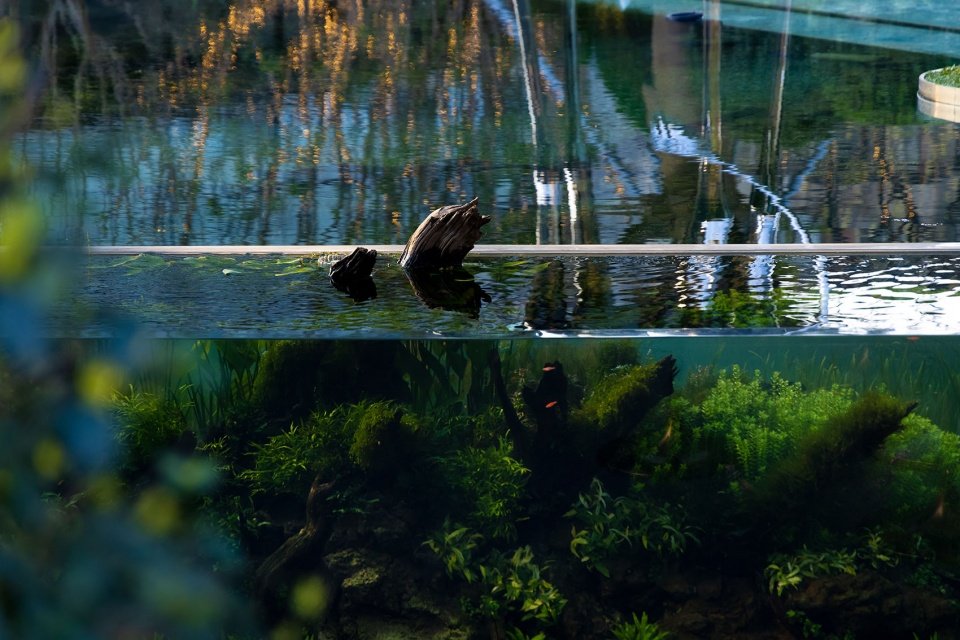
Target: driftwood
[
  {"x": 564, "y": 446},
  {"x": 432, "y": 260},
  {"x": 444, "y": 237},
  {"x": 301, "y": 553},
  {"x": 352, "y": 274}
]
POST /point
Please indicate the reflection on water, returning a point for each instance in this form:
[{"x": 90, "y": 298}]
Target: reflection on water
[
  {"x": 279, "y": 122},
  {"x": 290, "y": 297}
]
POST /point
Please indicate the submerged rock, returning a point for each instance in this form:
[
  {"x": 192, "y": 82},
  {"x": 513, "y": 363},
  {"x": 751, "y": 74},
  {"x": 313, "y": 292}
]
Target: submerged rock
[{"x": 870, "y": 605}]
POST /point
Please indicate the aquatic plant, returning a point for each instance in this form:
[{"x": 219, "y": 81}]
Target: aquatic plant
[
  {"x": 919, "y": 466},
  {"x": 146, "y": 424},
  {"x": 296, "y": 378},
  {"x": 639, "y": 629},
  {"x": 222, "y": 382},
  {"x": 515, "y": 584},
  {"x": 454, "y": 546},
  {"x": 790, "y": 570},
  {"x": 513, "y": 633},
  {"x": 379, "y": 436},
  {"x": 754, "y": 424},
  {"x": 808, "y": 627},
  {"x": 448, "y": 376},
  {"x": 616, "y": 403},
  {"x": 608, "y": 524},
  {"x": 368, "y": 436},
  {"x": 785, "y": 571},
  {"x": 288, "y": 461},
  {"x": 832, "y": 453},
  {"x": 488, "y": 486},
  {"x": 511, "y": 584}
]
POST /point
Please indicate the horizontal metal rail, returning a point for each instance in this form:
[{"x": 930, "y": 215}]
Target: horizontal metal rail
[{"x": 557, "y": 250}]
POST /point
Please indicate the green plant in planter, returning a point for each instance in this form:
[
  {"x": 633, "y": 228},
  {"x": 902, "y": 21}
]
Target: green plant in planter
[
  {"x": 948, "y": 76},
  {"x": 608, "y": 524},
  {"x": 639, "y": 629}
]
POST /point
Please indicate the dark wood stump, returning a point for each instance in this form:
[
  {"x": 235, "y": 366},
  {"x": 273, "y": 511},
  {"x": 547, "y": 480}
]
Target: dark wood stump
[
  {"x": 352, "y": 274},
  {"x": 444, "y": 237}
]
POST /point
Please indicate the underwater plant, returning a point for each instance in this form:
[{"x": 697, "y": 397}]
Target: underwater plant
[
  {"x": 454, "y": 546},
  {"x": 146, "y": 425},
  {"x": 617, "y": 402},
  {"x": 222, "y": 382},
  {"x": 363, "y": 436},
  {"x": 755, "y": 424},
  {"x": 515, "y": 584},
  {"x": 488, "y": 487},
  {"x": 608, "y": 524},
  {"x": 920, "y": 470},
  {"x": 831, "y": 455},
  {"x": 513, "y": 633},
  {"x": 510, "y": 584},
  {"x": 639, "y": 629},
  {"x": 790, "y": 570}
]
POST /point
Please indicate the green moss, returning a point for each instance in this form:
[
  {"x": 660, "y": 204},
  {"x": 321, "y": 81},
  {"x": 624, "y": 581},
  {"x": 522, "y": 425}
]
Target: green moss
[
  {"x": 286, "y": 384},
  {"x": 382, "y": 436},
  {"x": 830, "y": 458},
  {"x": 618, "y": 400},
  {"x": 948, "y": 76}
]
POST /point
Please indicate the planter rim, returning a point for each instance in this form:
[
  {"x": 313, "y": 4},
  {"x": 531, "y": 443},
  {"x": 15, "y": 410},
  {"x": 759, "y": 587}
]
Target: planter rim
[{"x": 938, "y": 93}]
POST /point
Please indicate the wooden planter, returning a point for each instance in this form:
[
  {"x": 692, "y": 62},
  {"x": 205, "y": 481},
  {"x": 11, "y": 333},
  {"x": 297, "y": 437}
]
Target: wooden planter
[{"x": 938, "y": 100}]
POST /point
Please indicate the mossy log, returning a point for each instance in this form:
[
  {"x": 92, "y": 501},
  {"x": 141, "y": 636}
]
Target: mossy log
[
  {"x": 829, "y": 463},
  {"x": 444, "y": 238},
  {"x": 567, "y": 447}
]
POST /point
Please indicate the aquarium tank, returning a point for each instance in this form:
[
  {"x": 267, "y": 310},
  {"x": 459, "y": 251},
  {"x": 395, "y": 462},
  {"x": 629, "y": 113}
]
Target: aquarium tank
[{"x": 479, "y": 319}]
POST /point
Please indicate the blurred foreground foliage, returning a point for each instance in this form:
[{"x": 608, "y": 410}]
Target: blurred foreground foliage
[{"x": 83, "y": 554}]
